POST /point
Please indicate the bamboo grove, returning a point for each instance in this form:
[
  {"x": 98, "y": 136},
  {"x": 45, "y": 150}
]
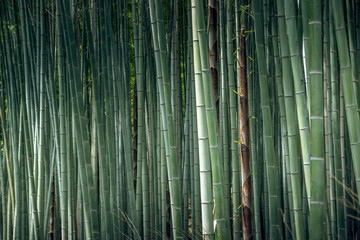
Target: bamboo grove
[{"x": 179, "y": 119}]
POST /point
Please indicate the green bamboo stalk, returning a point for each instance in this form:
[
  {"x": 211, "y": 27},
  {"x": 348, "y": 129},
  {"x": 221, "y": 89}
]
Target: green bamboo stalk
[
  {"x": 208, "y": 231},
  {"x": 175, "y": 77},
  {"x": 81, "y": 131},
  {"x": 41, "y": 138},
  {"x": 357, "y": 29},
  {"x": 11, "y": 199},
  {"x": 224, "y": 110},
  {"x": 335, "y": 107},
  {"x": 13, "y": 131},
  {"x": 100, "y": 86},
  {"x": 3, "y": 197},
  {"x": 235, "y": 181},
  {"x": 284, "y": 85},
  {"x": 221, "y": 216},
  {"x": 346, "y": 79},
  {"x": 253, "y": 154},
  {"x": 299, "y": 86},
  {"x": 63, "y": 153},
  {"x": 317, "y": 156},
  {"x": 295, "y": 171},
  {"x": 305, "y": 37},
  {"x": 141, "y": 160},
  {"x": 167, "y": 116},
  {"x": 197, "y": 211},
  {"x": 186, "y": 179},
  {"x": 332, "y": 202},
  {"x": 72, "y": 166},
  {"x": 153, "y": 153},
  {"x": 271, "y": 166},
  {"x": 110, "y": 101},
  {"x": 352, "y": 47},
  {"x": 163, "y": 186}
]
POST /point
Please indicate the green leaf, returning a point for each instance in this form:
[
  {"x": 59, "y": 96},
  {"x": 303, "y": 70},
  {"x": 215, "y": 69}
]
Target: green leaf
[{"x": 236, "y": 92}]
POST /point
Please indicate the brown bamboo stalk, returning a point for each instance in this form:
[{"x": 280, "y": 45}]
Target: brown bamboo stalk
[
  {"x": 245, "y": 141},
  {"x": 213, "y": 52}
]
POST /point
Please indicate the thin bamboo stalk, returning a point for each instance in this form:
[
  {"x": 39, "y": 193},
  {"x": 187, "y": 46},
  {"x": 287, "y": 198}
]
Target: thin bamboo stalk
[
  {"x": 167, "y": 118},
  {"x": 222, "y": 219},
  {"x": 300, "y": 90},
  {"x": 271, "y": 168},
  {"x": 346, "y": 80}
]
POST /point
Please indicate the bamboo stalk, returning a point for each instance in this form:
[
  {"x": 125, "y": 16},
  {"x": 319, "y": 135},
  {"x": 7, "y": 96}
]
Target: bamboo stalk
[
  {"x": 271, "y": 168},
  {"x": 317, "y": 205},
  {"x": 245, "y": 141},
  {"x": 346, "y": 80}
]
